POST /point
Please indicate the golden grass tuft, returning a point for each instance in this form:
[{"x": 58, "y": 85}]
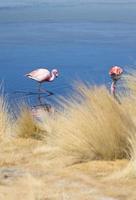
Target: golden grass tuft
[
  {"x": 92, "y": 126},
  {"x": 26, "y": 126},
  {"x": 5, "y": 119},
  {"x": 129, "y": 104}
]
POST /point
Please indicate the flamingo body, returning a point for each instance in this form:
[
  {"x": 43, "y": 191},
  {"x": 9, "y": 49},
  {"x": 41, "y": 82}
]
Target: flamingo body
[
  {"x": 115, "y": 74},
  {"x": 43, "y": 75}
]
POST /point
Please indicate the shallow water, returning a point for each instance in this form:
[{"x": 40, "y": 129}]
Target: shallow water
[{"x": 80, "y": 38}]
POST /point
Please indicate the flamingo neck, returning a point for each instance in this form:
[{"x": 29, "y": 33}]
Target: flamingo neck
[
  {"x": 52, "y": 77},
  {"x": 113, "y": 88}
]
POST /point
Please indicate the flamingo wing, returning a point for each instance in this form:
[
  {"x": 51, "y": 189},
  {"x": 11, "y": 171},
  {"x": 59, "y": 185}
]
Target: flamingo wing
[{"x": 39, "y": 75}]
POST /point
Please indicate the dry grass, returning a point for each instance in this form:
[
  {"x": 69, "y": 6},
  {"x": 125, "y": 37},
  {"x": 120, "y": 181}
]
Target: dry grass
[
  {"x": 70, "y": 155},
  {"x": 94, "y": 128},
  {"x": 5, "y": 119},
  {"x": 129, "y": 103},
  {"x": 26, "y": 126}
]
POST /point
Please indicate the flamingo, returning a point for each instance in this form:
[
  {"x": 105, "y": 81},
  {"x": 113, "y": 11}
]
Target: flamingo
[
  {"x": 115, "y": 74},
  {"x": 43, "y": 75}
]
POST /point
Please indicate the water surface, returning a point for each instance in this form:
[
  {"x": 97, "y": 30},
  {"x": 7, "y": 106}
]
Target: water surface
[{"x": 80, "y": 38}]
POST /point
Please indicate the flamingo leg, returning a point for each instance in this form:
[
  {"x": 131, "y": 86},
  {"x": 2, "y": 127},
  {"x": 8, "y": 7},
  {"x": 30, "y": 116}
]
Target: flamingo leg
[
  {"x": 41, "y": 102},
  {"x": 39, "y": 96},
  {"x": 39, "y": 87},
  {"x": 44, "y": 90},
  {"x": 113, "y": 87},
  {"x": 113, "y": 90}
]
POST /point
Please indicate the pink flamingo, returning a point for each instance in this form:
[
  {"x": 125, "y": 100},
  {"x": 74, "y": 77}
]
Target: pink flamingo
[
  {"x": 43, "y": 75},
  {"x": 115, "y": 74}
]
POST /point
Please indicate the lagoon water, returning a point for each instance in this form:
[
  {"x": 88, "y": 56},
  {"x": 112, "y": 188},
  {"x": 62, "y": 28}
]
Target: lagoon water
[{"x": 80, "y": 38}]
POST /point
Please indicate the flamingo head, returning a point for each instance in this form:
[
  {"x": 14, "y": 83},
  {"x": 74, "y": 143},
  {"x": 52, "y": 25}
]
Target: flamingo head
[
  {"x": 55, "y": 72},
  {"x": 115, "y": 73}
]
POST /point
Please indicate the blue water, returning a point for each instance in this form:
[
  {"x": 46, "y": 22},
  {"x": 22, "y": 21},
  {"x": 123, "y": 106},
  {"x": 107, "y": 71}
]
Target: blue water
[{"x": 80, "y": 38}]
